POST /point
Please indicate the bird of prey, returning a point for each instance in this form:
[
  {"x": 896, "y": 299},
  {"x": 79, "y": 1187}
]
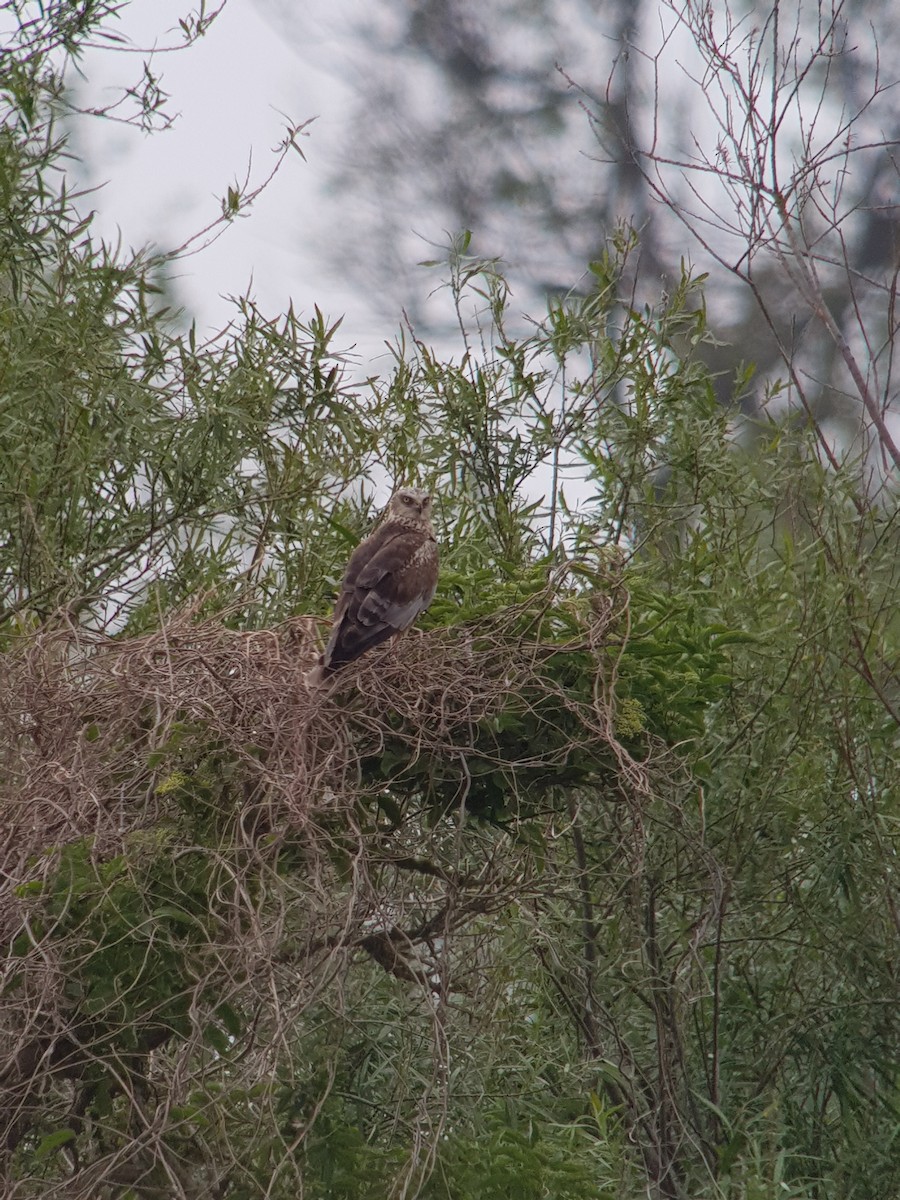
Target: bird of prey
[{"x": 390, "y": 579}]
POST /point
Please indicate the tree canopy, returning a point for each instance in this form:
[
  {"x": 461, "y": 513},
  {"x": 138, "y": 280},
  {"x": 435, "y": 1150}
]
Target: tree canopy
[{"x": 587, "y": 887}]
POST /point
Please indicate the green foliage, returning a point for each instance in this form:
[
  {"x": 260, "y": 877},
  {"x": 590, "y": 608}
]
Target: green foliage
[
  {"x": 584, "y": 889},
  {"x": 135, "y": 927},
  {"x": 508, "y": 1155}
]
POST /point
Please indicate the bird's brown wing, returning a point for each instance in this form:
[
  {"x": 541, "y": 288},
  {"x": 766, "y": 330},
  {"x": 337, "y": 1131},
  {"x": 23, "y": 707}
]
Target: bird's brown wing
[{"x": 390, "y": 579}]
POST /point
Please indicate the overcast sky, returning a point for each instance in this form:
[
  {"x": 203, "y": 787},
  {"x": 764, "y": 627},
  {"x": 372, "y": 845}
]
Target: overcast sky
[{"x": 233, "y": 91}]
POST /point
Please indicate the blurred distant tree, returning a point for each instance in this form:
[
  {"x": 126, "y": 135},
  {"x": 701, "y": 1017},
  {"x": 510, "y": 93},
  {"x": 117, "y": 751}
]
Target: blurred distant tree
[
  {"x": 795, "y": 197},
  {"x": 465, "y": 120},
  {"x": 539, "y": 127}
]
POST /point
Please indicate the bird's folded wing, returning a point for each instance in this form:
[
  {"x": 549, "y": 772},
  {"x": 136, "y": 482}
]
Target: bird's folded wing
[{"x": 397, "y": 583}]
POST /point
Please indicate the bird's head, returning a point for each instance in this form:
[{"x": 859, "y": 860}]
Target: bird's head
[{"x": 411, "y": 503}]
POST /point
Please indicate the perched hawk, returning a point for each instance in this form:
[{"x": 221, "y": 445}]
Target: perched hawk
[{"x": 390, "y": 579}]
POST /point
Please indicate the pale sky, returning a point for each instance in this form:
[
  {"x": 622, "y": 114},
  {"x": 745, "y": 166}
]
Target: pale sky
[{"x": 230, "y": 89}]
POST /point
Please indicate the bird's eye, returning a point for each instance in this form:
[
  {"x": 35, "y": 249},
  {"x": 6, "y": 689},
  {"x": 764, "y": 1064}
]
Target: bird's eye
[{"x": 406, "y": 499}]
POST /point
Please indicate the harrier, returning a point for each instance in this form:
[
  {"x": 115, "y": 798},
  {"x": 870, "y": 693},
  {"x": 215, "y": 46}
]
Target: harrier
[{"x": 390, "y": 580}]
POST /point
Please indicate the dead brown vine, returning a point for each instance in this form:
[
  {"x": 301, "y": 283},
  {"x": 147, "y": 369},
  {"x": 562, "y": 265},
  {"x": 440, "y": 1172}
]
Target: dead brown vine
[{"x": 105, "y": 742}]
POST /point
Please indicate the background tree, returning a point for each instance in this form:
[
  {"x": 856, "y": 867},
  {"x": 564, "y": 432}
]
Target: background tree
[{"x": 706, "y": 115}]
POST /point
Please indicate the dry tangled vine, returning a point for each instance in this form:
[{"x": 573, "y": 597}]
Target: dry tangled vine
[{"x": 181, "y": 802}]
